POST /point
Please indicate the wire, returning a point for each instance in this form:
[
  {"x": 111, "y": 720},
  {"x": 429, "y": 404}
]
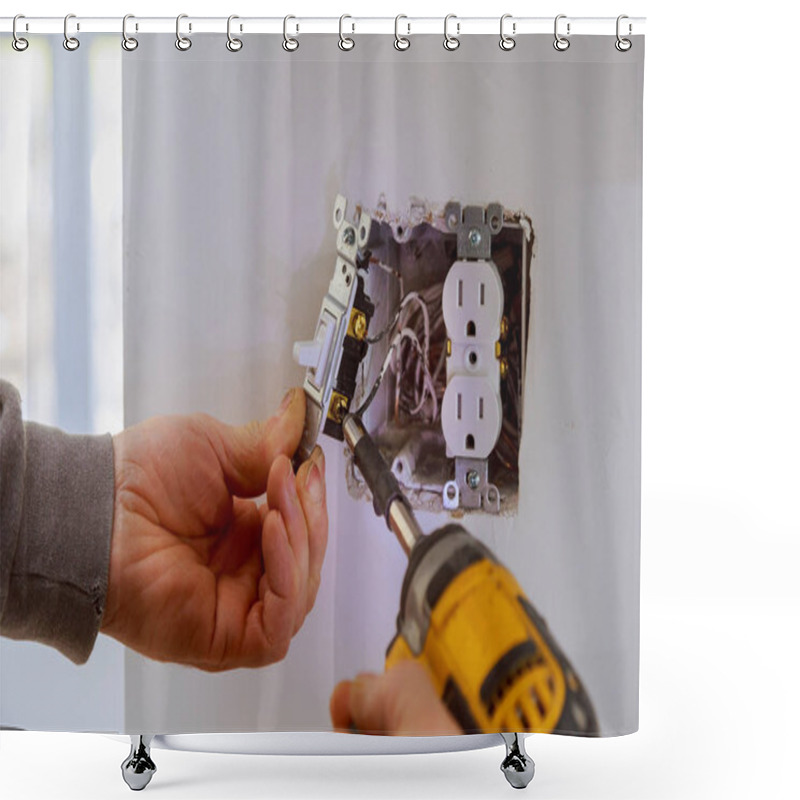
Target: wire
[
  {"x": 410, "y": 297},
  {"x": 374, "y": 390},
  {"x": 404, "y": 334},
  {"x": 426, "y": 377},
  {"x": 394, "y": 358}
]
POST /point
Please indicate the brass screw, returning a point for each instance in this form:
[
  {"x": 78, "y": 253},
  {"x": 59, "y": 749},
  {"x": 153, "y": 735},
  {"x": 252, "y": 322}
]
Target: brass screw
[
  {"x": 359, "y": 326},
  {"x": 497, "y": 349},
  {"x": 503, "y": 368},
  {"x": 504, "y": 328},
  {"x": 338, "y": 407},
  {"x": 449, "y": 347}
]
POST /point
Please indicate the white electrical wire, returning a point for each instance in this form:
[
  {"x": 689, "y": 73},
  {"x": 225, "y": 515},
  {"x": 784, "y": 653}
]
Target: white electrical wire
[{"x": 405, "y": 333}]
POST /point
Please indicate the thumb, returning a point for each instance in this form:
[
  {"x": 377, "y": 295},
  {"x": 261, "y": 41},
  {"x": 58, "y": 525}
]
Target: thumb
[
  {"x": 246, "y": 452},
  {"x": 401, "y": 701}
]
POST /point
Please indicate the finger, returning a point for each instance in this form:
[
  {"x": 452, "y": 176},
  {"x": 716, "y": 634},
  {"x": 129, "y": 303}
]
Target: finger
[
  {"x": 270, "y": 622},
  {"x": 311, "y": 489},
  {"x": 246, "y": 452},
  {"x": 282, "y": 495},
  {"x": 368, "y": 704},
  {"x": 279, "y": 563},
  {"x": 402, "y": 701},
  {"x": 340, "y": 706},
  {"x": 235, "y": 560}
]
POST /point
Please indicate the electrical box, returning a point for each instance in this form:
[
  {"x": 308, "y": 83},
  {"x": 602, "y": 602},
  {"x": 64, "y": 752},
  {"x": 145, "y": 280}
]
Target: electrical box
[{"x": 423, "y": 334}]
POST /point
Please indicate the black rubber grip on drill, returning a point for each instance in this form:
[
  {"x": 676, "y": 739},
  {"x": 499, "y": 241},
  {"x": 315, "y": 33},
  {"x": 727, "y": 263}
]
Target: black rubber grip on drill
[{"x": 379, "y": 477}]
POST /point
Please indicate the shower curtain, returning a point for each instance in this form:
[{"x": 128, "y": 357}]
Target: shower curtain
[{"x": 233, "y": 166}]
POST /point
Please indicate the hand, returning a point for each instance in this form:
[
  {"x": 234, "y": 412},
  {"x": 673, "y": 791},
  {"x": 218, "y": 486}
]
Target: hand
[
  {"x": 401, "y": 701},
  {"x": 198, "y": 574}
]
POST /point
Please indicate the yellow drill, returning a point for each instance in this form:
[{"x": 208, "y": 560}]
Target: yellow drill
[{"x": 464, "y": 617}]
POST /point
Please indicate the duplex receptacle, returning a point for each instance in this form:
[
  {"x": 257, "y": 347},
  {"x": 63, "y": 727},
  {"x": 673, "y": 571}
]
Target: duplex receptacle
[{"x": 472, "y": 306}]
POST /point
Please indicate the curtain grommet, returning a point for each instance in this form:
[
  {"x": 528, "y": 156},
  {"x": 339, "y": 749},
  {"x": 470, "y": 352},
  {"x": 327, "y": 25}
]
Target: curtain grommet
[
  {"x": 507, "y": 42},
  {"x": 622, "y": 44},
  {"x": 451, "y": 43},
  {"x": 183, "y": 43},
  {"x": 346, "y": 43},
  {"x": 129, "y": 43},
  {"x": 290, "y": 43},
  {"x": 233, "y": 44},
  {"x": 561, "y": 43},
  {"x": 401, "y": 43},
  {"x": 19, "y": 43},
  {"x": 70, "y": 43}
]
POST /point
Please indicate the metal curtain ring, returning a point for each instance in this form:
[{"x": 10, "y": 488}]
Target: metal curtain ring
[
  {"x": 18, "y": 43},
  {"x": 451, "y": 42},
  {"x": 622, "y": 44},
  {"x": 129, "y": 43},
  {"x": 290, "y": 44},
  {"x": 561, "y": 43},
  {"x": 233, "y": 44},
  {"x": 401, "y": 42},
  {"x": 70, "y": 42},
  {"x": 182, "y": 42},
  {"x": 507, "y": 42},
  {"x": 345, "y": 42}
]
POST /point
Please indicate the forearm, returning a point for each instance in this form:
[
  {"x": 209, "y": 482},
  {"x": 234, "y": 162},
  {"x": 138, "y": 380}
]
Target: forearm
[{"x": 56, "y": 515}]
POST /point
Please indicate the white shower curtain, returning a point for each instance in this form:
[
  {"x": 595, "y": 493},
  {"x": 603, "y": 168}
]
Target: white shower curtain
[
  {"x": 232, "y": 163},
  {"x": 225, "y": 167}
]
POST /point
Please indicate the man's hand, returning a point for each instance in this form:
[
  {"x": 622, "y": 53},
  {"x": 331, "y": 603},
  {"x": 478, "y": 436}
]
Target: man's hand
[
  {"x": 401, "y": 701},
  {"x": 200, "y": 575}
]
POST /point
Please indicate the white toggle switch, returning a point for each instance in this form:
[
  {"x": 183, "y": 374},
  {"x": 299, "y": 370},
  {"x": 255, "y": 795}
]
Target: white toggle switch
[
  {"x": 306, "y": 354},
  {"x": 315, "y": 354}
]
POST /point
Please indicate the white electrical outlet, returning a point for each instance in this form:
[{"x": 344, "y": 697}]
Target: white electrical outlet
[{"x": 472, "y": 306}]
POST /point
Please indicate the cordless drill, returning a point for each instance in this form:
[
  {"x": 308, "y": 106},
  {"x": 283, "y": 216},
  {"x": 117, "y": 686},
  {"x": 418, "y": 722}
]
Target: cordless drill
[{"x": 464, "y": 617}]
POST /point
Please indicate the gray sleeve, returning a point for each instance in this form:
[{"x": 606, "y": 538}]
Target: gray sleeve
[{"x": 56, "y": 513}]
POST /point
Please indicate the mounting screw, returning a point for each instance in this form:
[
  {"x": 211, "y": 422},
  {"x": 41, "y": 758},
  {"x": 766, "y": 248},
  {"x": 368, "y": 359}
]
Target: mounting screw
[
  {"x": 349, "y": 236},
  {"x": 473, "y": 479},
  {"x": 475, "y": 237}
]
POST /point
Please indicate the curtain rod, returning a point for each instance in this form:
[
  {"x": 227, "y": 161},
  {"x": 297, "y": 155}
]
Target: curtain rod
[{"x": 460, "y": 26}]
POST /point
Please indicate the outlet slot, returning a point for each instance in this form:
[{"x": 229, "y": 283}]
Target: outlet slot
[
  {"x": 473, "y": 301},
  {"x": 471, "y": 415}
]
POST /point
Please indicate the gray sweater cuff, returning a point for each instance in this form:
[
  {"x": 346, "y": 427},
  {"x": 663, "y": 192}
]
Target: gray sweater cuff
[{"x": 58, "y": 578}]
